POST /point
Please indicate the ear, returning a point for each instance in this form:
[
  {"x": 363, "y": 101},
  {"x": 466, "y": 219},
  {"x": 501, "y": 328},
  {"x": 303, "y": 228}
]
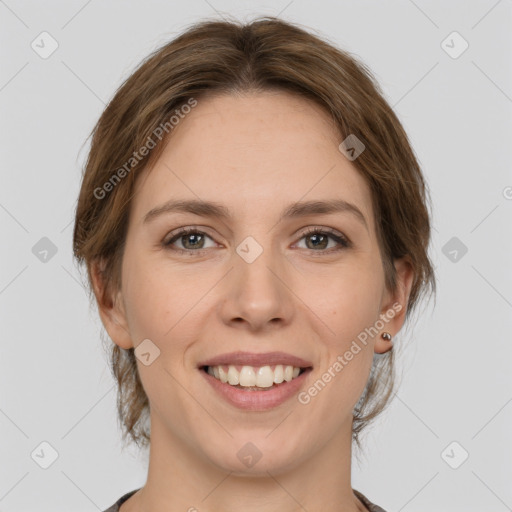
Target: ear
[
  {"x": 110, "y": 307},
  {"x": 394, "y": 305}
]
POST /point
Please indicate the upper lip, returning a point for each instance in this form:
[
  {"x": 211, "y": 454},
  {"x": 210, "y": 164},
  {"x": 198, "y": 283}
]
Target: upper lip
[{"x": 253, "y": 359}]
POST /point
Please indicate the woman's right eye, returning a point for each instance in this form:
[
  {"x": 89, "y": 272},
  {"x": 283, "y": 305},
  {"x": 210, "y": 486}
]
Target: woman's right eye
[{"x": 190, "y": 237}]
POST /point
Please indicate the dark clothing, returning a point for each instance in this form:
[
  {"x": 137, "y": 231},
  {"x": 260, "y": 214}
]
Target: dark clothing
[{"x": 368, "y": 504}]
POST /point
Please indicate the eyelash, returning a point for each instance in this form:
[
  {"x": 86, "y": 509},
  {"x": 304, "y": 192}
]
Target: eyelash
[{"x": 340, "y": 239}]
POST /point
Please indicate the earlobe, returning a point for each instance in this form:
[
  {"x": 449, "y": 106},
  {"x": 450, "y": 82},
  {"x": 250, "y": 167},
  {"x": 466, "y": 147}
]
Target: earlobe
[
  {"x": 384, "y": 343},
  {"x": 395, "y": 305},
  {"x": 110, "y": 308}
]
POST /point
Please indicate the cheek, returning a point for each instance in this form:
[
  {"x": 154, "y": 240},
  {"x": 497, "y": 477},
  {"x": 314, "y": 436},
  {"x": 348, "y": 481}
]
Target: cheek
[
  {"x": 164, "y": 303},
  {"x": 349, "y": 305},
  {"x": 351, "y": 309},
  {"x": 148, "y": 295},
  {"x": 159, "y": 308},
  {"x": 349, "y": 299}
]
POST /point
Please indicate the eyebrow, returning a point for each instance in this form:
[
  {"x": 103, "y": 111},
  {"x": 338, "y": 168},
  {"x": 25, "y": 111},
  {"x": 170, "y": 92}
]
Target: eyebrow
[{"x": 294, "y": 210}]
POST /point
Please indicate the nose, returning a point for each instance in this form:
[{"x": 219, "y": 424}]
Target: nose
[{"x": 257, "y": 293}]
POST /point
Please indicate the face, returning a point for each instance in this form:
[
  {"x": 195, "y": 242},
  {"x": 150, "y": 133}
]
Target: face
[{"x": 253, "y": 281}]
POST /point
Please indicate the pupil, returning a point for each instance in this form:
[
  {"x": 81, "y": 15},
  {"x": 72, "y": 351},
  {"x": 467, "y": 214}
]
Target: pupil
[
  {"x": 316, "y": 236},
  {"x": 192, "y": 236}
]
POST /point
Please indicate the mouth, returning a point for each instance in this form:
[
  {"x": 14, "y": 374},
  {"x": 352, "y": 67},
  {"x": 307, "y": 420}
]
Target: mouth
[
  {"x": 256, "y": 381},
  {"x": 255, "y": 378},
  {"x": 255, "y": 389}
]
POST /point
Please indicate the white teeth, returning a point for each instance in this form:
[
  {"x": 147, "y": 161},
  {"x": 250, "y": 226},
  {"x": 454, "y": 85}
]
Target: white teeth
[
  {"x": 265, "y": 377},
  {"x": 249, "y": 376},
  {"x": 222, "y": 374},
  {"x": 233, "y": 376},
  {"x": 279, "y": 374}
]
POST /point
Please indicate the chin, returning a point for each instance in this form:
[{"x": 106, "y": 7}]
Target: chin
[{"x": 255, "y": 456}]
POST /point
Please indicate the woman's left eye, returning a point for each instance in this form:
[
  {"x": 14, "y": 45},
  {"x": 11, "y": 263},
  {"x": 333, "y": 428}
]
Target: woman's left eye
[
  {"x": 193, "y": 240},
  {"x": 321, "y": 236}
]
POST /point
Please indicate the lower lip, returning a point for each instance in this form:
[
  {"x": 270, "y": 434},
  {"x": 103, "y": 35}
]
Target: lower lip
[{"x": 257, "y": 400}]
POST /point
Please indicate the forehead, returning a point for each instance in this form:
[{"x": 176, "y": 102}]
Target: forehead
[{"x": 254, "y": 153}]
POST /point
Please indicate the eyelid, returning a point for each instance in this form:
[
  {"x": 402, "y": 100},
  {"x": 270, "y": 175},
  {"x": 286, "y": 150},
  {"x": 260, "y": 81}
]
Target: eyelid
[
  {"x": 326, "y": 230},
  {"x": 181, "y": 231},
  {"x": 339, "y": 237}
]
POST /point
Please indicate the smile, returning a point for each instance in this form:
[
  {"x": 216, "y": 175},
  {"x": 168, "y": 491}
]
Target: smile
[
  {"x": 251, "y": 388},
  {"x": 254, "y": 377}
]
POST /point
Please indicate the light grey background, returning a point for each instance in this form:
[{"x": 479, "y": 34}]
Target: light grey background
[{"x": 55, "y": 383}]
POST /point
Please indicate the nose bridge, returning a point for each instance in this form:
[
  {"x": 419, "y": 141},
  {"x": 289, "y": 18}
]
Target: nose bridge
[
  {"x": 257, "y": 263},
  {"x": 256, "y": 291}
]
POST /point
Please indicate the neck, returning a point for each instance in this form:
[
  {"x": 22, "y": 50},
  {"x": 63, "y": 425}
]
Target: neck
[{"x": 181, "y": 478}]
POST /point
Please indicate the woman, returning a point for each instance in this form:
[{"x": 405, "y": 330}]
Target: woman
[{"x": 255, "y": 230}]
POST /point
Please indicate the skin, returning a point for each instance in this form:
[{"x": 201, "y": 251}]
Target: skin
[{"x": 255, "y": 153}]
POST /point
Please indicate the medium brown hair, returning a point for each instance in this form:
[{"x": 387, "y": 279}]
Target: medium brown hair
[{"x": 229, "y": 57}]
